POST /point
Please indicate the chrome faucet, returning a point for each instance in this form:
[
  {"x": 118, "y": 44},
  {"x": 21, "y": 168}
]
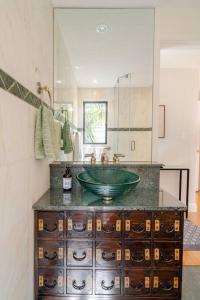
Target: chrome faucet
[
  {"x": 93, "y": 158},
  {"x": 104, "y": 156},
  {"x": 116, "y": 157}
]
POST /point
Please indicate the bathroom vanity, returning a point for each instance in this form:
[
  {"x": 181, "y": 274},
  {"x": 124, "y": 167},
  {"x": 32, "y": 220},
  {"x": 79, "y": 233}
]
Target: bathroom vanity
[{"x": 129, "y": 249}]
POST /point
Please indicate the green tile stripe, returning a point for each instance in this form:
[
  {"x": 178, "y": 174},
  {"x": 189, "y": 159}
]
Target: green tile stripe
[
  {"x": 126, "y": 129},
  {"x": 12, "y": 86}
]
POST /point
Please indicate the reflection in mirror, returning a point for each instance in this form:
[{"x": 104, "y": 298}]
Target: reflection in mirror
[{"x": 103, "y": 78}]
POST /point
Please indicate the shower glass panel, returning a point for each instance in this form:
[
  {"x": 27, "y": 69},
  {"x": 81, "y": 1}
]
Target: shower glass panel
[{"x": 134, "y": 119}]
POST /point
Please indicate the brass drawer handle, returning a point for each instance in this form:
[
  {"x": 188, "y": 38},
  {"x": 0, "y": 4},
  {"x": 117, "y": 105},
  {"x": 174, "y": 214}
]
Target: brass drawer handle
[
  {"x": 108, "y": 229},
  {"x": 170, "y": 229},
  {"x": 50, "y": 257},
  {"x": 136, "y": 258},
  {"x": 138, "y": 287},
  {"x": 166, "y": 288},
  {"x": 107, "y": 288},
  {"x": 79, "y": 258},
  {"x": 167, "y": 257},
  {"x": 50, "y": 286},
  {"x": 55, "y": 226},
  {"x": 112, "y": 257},
  {"x": 138, "y": 228},
  {"x": 78, "y": 227},
  {"x": 78, "y": 287}
]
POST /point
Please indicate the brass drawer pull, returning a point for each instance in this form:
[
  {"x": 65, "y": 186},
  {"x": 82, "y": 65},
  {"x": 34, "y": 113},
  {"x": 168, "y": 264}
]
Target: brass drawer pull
[
  {"x": 137, "y": 287},
  {"x": 136, "y": 258},
  {"x": 50, "y": 257},
  {"x": 112, "y": 257},
  {"x": 50, "y": 286},
  {"x": 78, "y": 227},
  {"x": 79, "y": 258},
  {"x": 78, "y": 287},
  {"x": 138, "y": 228},
  {"x": 166, "y": 288},
  {"x": 170, "y": 229},
  {"x": 107, "y": 288},
  {"x": 108, "y": 229},
  {"x": 54, "y": 228}
]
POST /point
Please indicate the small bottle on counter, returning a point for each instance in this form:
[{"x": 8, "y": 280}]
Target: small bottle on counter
[{"x": 67, "y": 180}]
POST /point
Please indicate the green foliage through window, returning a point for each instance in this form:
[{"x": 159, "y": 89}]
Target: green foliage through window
[{"x": 95, "y": 122}]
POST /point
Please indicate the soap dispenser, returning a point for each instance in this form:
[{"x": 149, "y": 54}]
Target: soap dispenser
[{"x": 67, "y": 180}]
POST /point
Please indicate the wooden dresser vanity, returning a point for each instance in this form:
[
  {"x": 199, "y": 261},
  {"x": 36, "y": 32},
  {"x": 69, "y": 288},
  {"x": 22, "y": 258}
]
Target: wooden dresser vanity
[{"x": 115, "y": 253}]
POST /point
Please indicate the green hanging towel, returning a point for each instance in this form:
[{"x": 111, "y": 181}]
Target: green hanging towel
[
  {"x": 39, "y": 146},
  {"x": 67, "y": 139}
]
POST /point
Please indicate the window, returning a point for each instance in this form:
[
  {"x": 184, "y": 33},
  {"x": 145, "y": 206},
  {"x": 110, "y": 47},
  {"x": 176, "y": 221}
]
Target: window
[{"x": 95, "y": 122}]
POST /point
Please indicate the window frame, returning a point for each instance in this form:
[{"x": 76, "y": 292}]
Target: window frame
[{"x": 106, "y": 121}]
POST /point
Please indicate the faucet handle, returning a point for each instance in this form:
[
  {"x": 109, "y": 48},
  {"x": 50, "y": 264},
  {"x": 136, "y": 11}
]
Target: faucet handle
[
  {"x": 116, "y": 157},
  {"x": 119, "y": 155},
  {"x": 92, "y": 155}
]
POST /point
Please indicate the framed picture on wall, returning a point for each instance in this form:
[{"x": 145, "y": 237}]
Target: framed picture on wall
[{"x": 161, "y": 121}]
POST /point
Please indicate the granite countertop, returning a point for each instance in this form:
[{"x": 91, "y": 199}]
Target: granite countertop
[
  {"x": 120, "y": 164},
  {"x": 138, "y": 199}
]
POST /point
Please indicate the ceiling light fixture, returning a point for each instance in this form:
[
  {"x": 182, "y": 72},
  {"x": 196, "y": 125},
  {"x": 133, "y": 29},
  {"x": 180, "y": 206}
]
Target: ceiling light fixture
[
  {"x": 95, "y": 81},
  {"x": 77, "y": 67},
  {"x": 101, "y": 28}
]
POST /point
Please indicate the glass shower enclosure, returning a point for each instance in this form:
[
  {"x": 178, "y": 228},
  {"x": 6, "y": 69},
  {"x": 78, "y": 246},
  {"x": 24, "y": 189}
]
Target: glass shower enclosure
[{"x": 133, "y": 119}]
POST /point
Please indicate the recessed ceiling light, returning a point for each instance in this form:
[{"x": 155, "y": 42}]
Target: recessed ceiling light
[
  {"x": 59, "y": 81},
  {"x": 95, "y": 81},
  {"x": 101, "y": 28}
]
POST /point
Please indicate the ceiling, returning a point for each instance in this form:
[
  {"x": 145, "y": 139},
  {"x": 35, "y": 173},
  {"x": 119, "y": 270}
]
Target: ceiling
[{"x": 103, "y": 57}]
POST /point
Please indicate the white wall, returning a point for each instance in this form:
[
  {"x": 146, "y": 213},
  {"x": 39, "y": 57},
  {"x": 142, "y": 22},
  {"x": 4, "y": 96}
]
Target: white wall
[
  {"x": 26, "y": 44},
  {"x": 179, "y": 90},
  {"x": 174, "y": 26}
]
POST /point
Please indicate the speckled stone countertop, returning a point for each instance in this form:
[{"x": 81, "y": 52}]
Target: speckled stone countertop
[
  {"x": 78, "y": 199},
  {"x": 120, "y": 164}
]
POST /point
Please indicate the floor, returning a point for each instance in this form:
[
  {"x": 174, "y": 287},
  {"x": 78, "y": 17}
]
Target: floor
[
  {"x": 191, "y": 283},
  {"x": 191, "y": 261},
  {"x": 192, "y": 258}
]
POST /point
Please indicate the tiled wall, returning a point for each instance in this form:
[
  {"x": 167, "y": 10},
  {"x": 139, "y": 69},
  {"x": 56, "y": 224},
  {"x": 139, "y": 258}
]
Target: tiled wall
[
  {"x": 26, "y": 55},
  {"x": 11, "y": 85}
]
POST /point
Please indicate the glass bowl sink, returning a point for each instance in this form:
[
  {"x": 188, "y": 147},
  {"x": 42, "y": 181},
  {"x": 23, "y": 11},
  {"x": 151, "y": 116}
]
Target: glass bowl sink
[{"x": 108, "y": 183}]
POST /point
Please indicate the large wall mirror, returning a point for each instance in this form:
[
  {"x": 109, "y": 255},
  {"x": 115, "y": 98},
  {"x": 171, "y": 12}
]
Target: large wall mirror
[{"x": 103, "y": 80}]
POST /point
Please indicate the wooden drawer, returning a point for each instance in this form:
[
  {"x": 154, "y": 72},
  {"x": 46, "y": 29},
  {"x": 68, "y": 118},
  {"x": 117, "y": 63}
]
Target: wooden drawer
[
  {"x": 108, "y": 254},
  {"x": 168, "y": 225},
  {"x": 50, "y": 282},
  {"x": 138, "y": 225},
  {"x": 79, "y": 282},
  {"x": 108, "y": 282},
  {"x": 167, "y": 254},
  {"x": 50, "y": 253},
  {"x": 137, "y": 282},
  {"x": 137, "y": 254},
  {"x": 166, "y": 283},
  {"x": 79, "y": 253},
  {"x": 108, "y": 225},
  {"x": 50, "y": 225},
  {"x": 79, "y": 224}
]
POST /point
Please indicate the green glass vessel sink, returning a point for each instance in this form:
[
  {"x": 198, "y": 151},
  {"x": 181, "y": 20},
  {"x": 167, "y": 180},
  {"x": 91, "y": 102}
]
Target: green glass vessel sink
[{"x": 108, "y": 183}]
